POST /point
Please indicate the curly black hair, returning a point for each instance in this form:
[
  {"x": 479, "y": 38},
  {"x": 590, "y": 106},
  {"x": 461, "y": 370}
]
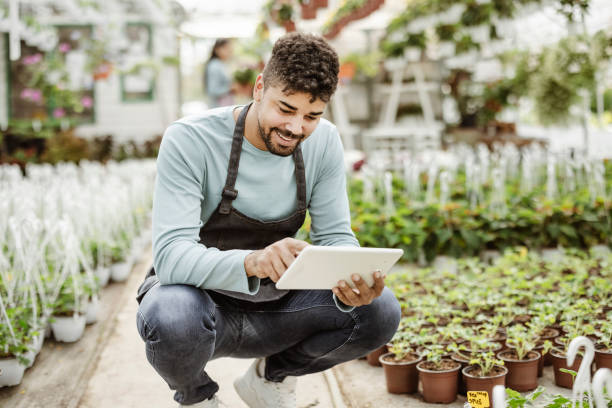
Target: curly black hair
[{"x": 303, "y": 63}]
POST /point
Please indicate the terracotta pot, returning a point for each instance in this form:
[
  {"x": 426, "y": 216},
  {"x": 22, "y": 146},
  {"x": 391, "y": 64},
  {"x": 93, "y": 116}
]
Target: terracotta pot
[
  {"x": 309, "y": 11},
  {"x": 550, "y": 334},
  {"x": 522, "y": 374},
  {"x": 486, "y": 384},
  {"x": 321, "y": 3},
  {"x": 539, "y": 349},
  {"x": 562, "y": 379},
  {"x": 439, "y": 386},
  {"x": 603, "y": 359},
  {"x": 373, "y": 356},
  {"x": 402, "y": 377},
  {"x": 460, "y": 380}
]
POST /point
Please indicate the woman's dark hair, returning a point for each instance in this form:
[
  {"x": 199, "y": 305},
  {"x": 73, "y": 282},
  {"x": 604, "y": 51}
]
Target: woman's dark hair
[
  {"x": 218, "y": 44},
  {"x": 303, "y": 63}
]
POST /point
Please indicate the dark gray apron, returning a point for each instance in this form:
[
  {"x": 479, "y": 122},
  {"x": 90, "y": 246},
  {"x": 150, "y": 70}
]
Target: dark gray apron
[{"x": 228, "y": 228}]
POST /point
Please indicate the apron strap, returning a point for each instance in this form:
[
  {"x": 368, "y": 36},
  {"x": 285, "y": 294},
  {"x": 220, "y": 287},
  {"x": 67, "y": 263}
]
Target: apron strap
[
  {"x": 229, "y": 193},
  {"x": 300, "y": 178}
]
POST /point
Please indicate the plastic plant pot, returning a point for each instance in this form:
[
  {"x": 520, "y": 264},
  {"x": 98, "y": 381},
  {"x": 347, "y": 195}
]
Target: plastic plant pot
[
  {"x": 373, "y": 356},
  {"x": 522, "y": 374},
  {"x": 12, "y": 372},
  {"x": 439, "y": 386},
  {"x": 474, "y": 383},
  {"x": 68, "y": 329},
  {"x": 401, "y": 377},
  {"x": 562, "y": 379}
]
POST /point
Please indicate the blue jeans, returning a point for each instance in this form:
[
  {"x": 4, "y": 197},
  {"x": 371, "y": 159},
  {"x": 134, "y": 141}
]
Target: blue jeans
[{"x": 304, "y": 332}]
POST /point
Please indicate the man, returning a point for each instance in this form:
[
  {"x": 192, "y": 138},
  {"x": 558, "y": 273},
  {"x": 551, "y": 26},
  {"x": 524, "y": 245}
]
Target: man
[{"x": 233, "y": 186}]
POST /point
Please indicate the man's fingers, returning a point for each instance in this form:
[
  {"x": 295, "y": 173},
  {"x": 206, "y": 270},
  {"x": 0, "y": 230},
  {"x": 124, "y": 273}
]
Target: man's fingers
[
  {"x": 379, "y": 283},
  {"x": 286, "y": 256},
  {"x": 296, "y": 245},
  {"x": 348, "y": 293},
  {"x": 278, "y": 267}
]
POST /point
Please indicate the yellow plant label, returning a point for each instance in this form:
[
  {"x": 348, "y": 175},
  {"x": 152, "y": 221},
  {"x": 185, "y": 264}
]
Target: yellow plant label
[{"x": 478, "y": 399}]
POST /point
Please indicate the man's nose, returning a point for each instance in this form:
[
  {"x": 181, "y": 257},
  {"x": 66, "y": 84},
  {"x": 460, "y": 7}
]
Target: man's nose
[{"x": 295, "y": 125}]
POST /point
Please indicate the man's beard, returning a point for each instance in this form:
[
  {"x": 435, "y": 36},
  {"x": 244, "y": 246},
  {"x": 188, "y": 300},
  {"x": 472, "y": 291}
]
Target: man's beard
[{"x": 275, "y": 148}]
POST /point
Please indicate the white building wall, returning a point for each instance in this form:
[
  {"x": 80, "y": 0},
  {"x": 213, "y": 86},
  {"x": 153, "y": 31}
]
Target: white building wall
[{"x": 138, "y": 121}]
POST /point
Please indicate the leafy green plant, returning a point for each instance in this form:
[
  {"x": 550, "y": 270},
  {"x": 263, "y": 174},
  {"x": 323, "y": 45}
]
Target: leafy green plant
[
  {"x": 486, "y": 361},
  {"x": 521, "y": 339}
]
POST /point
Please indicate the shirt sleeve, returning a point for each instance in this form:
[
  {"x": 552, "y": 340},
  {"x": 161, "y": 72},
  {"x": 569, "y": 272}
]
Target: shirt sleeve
[
  {"x": 329, "y": 206},
  {"x": 178, "y": 257}
]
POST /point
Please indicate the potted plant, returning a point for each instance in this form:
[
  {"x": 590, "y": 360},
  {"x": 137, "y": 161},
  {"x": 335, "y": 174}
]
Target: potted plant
[
  {"x": 13, "y": 345},
  {"x": 400, "y": 366},
  {"x": 68, "y": 320},
  {"x": 521, "y": 359},
  {"x": 484, "y": 373},
  {"x": 603, "y": 346},
  {"x": 121, "y": 267},
  {"x": 438, "y": 375}
]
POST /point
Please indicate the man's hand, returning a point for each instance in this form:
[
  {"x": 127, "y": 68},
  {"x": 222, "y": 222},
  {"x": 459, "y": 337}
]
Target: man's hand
[
  {"x": 363, "y": 294},
  {"x": 272, "y": 261}
]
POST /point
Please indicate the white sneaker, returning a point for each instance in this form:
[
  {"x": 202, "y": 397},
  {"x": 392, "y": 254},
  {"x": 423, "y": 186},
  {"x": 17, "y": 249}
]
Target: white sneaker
[
  {"x": 207, "y": 403},
  {"x": 258, "y": 392}
]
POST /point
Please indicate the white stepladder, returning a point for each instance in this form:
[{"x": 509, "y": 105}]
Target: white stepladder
[
  {"x": 392, "y": 140},
  {"x": 341, "y": 120}
]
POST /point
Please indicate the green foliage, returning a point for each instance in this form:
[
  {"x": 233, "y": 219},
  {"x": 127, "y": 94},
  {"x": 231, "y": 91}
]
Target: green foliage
[{"x": 486, "y": 361}]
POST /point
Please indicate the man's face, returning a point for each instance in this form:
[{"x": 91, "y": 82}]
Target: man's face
[{"x": 284, "y": 121}]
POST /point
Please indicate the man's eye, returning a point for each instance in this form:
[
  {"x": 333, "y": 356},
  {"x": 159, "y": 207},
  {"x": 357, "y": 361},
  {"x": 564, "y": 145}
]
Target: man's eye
[
  {"x": 310, "y": 117},
  {"x": 284, "y": 111}
]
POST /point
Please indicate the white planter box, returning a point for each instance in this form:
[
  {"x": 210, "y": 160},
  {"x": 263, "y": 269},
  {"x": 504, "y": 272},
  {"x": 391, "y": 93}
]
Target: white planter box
[
  {"x": 68, "y": 329},
  {"x": 121, "y": 271},
  {"x": 91, "y": 311},
  {"x": 11, "y": 372}
]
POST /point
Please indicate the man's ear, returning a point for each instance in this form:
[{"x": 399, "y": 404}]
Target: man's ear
[{"x": 258, "y": 89}]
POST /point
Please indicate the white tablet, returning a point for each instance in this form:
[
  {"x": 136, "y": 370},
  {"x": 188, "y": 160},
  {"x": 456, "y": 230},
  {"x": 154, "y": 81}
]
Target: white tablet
[{"x": 321, "y": 267}]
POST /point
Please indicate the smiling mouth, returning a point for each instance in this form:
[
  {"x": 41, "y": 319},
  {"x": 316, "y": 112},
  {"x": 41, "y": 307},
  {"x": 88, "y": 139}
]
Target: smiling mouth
[{"x": 286, "y": 139}]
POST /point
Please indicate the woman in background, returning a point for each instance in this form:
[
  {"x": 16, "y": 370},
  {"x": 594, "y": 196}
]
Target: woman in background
[{"x": 217, "y": 80}]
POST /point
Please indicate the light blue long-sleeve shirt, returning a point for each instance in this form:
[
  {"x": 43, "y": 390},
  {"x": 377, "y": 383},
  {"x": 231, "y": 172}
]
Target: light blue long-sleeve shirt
[
  {"x": 191, "y": 171},
  {"x": 218, "y": 82}
]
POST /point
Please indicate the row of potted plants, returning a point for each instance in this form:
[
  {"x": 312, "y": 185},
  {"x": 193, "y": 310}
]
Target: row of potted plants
[
  {"x": 497, "y": 324},
  {"x": 66, "y": 231}
]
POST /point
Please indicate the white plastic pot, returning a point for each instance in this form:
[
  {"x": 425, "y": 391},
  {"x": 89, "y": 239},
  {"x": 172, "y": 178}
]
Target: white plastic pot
[
  {"x": 103, "y": 274},
  {"x": 68, "y": 329},
  {"x": 38, "y": 341},
  {"x": 91, "y": 311},
  {"x": 11, "y": 372},
  {"x": 120, "y": 271}
]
